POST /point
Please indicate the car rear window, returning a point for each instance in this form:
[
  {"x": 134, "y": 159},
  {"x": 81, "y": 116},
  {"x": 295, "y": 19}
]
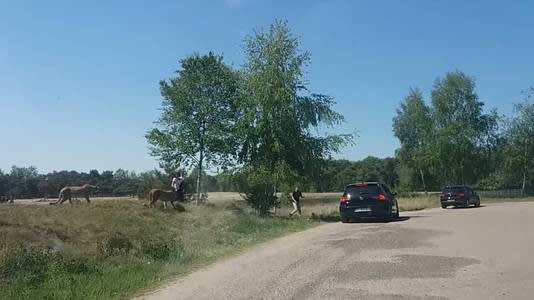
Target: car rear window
[
  {"x": 368, "y": 190},
  {"x": 454, "y": 189}
]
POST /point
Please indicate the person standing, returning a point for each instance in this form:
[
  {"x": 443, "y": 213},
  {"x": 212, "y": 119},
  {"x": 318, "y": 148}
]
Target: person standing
[
  {"x": 173, "y": 183},
  {"x": 295, "y": 200},
  {"x": 178, "y": 186}
]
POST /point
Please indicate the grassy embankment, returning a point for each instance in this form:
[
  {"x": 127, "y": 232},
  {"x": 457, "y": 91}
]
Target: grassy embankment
[{"x": 112, "y": 249}]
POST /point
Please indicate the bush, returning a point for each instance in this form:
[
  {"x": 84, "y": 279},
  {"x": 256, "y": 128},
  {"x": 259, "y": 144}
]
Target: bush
[
  {"x": 161, "y": 250},
  {"x": 115, "y": 244},
  {"x": 33, "y": 266},
  {"x": 262, "y": 198},
  {"x": 27, "y": 263},
  {"x": 258, "y": 186}
]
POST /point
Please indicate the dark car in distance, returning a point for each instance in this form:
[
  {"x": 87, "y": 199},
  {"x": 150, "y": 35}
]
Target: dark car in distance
[
  {"x": 459, "y": 195},
  {"x": 366, "y": 200}
]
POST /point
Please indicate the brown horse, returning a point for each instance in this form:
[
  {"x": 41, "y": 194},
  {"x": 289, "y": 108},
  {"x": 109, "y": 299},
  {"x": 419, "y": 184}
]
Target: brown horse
[{"x": 157, "y": 194}]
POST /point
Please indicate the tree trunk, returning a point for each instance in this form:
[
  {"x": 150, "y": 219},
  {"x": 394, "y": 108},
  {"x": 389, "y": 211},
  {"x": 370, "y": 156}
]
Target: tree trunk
[
  {"x": 199, "y": 175},
  {"x": 524, "y": 173},
  {"x": 274, "y": 190},
  {"x": 422, "y": 179}
]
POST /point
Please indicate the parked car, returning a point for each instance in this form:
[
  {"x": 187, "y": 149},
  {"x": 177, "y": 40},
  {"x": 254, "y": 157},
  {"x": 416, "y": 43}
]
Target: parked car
[
  {"x": 368, "y": 200},
  {"x": 459, "y": 195}
]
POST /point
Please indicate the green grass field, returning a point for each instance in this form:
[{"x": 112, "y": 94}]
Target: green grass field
[
  {"x": 117, "y": 248},
  {"x": 112, "y": 249}
]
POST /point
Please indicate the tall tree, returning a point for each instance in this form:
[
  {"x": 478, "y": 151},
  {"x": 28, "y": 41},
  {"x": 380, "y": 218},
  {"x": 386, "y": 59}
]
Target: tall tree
[
  {"x": 278, "y": 114},
  {"x": 198, "y": 117},
  {"x": 4, "y": 180},
  {"x": 464, "y": 135},
  {"x": 24, "y": 181},
  {"x": 413, "y": 127},
  {"x": 520, "y": 142}
]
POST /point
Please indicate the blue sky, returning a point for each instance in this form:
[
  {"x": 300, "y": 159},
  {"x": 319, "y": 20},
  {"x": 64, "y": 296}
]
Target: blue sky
[{"x": 79, "y": 81}]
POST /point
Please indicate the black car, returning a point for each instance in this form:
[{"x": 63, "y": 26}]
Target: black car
[
  {"x": 368, "y": 200},
  {"x": 459, "y": 195}
]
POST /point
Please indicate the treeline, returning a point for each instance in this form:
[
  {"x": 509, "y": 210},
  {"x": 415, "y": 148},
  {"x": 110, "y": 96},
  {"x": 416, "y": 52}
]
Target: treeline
[
  {"x": 27, "y": 182},
  {"x": 331, "y": 176},
  {"x": 452, "y": 140}
]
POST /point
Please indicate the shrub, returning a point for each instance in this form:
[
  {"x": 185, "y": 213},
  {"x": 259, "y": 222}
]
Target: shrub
[
  {"x": 258, "y": 185},
  {"x": 115, "y": 244},
  {"x": 160, "y": 250},
  {"x": 33, "y": 266}
]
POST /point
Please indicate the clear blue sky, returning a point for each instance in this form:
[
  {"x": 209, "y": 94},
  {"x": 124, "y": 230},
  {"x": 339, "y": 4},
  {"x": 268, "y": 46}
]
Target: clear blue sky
[{"x": 79, "y": 81}]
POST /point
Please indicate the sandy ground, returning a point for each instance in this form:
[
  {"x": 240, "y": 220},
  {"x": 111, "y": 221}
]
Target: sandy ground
[
  {"x": 42, "y": 201},
  {"x": 476, "y": 253},
  {"x": 212, "y": 197}
]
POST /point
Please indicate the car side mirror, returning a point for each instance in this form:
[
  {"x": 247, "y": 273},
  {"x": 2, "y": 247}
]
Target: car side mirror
[{"x": 394, "y": 194}]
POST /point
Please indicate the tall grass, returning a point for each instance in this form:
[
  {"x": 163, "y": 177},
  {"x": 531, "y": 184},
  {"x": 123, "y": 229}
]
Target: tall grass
[{"x": 111, "y": 249}]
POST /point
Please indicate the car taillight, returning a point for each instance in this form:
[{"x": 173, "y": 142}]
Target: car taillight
[
  {"x": 343, "y": 199},
  {"x": 380, "y": 197},
  {"x": 461, "y": 194},
  {"x": 442, "y": 195}
]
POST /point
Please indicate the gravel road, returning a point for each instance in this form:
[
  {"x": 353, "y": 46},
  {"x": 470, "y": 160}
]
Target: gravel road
[{"x": 475, "y": 253}]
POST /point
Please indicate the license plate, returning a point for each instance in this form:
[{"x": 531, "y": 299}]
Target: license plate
[{"x": 362, "y": 210}]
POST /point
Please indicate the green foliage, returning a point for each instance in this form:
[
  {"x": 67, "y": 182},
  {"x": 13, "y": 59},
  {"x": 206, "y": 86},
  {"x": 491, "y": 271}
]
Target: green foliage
[
  {"x": 464, "y": 133},
  {"x": 450, "y": 142},
  {"x": 115, "y": 244},
  {"x": 4, "y": 183},
  {"x": 413, "y": 127},
  {"x": 33, "y": 267},
  {"x": 23, "y": 181},
  {"x": 161, "y": 250},
  {"x": 153, "y": 245},
  {"x": 198, "y": 115},
  {"x": 258, "y": 184},
  {"x": 519, "y": 149},
  {"x": 278, "y": 114},
  {"x": 334, "y": 175}
]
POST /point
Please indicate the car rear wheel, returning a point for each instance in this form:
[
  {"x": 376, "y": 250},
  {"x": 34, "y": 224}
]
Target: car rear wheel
[
  {"x": 344, "y": 220},
  {"x": 444, "y": 206}
]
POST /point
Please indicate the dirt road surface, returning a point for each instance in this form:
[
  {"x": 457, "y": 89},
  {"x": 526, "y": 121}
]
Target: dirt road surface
[{"x": 475, "y": 253}]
